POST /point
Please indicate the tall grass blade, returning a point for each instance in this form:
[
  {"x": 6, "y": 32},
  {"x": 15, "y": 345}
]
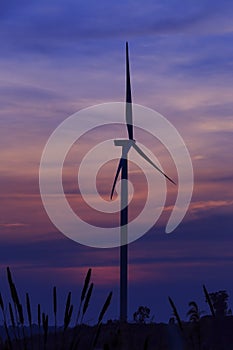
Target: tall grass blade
[
  {"x": 9, "y": 342},
  {"x": 55, "y": 313},
  {"x": 39, "y": 316},
  {"x": 20, "y": 312},
  {"x": 208, "y": 300},
  {"x": 55, "y": 300},
  {"x": 9, "y": 277},
  {"x": 12, "y": 316},
  {"x": 68, "y": 317},
  {"x": 87, "y": 300},
  {"x": 5, "y": 323},
  {"x": 14, "y": 294},
  {"x": 15, "y": 298},
  {"x": 39, "y": 322},
  {"x": 1, "y": 302},
  {"x": 55, "y": 307},
  {"x": 29, "y": 313},
  {"x": 101, "y": 315},
  {"x": 67, "y": 308},
  {"x": 105, "y": 307},
  {"x": 86, "y": 284},
  {"x": 96, "y": 336},
  {"x": 45, "y": 328},
  {"x": 175, "y": 312},
  {"x": 21, "y": 322},
  {"x": 83, "y": 294}
]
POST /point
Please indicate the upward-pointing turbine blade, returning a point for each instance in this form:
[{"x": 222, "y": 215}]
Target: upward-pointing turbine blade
[
  {"x": 120, "y": 165},
  {"x": 128, "y": 109},
  {"x": 143, "y": 155}
]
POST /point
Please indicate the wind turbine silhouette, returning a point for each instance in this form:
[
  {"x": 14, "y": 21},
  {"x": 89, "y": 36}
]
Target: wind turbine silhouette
[{"x": 126, "y": 144}]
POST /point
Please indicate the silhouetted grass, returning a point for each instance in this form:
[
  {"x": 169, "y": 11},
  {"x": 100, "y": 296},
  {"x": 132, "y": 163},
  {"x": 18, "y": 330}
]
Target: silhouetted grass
[
  {"x": 40, "y": 335},
  {"x": 208, "y": 300},
  {"x": 23, "y": 332},
  {"x": 175, "y": 313},
  {"x": 101, "y": 315}
]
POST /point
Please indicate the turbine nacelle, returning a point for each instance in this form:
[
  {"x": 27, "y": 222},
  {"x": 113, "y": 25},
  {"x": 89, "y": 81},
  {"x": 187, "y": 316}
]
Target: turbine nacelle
[{"x": 126, "y": 144}]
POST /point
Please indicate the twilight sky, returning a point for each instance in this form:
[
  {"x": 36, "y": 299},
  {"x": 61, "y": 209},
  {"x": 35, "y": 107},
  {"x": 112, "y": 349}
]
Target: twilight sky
[{"x": 57, "y": 57}]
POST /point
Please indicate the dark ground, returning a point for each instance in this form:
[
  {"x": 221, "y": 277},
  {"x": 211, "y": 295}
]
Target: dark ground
[{"x": 208, "y": 334}]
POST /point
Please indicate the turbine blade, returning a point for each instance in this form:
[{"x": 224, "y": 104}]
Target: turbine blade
[
  {"x": 143, "y": 155},
  {"x": 116, "y": 177},
  {"x": 128, "y": 111}
]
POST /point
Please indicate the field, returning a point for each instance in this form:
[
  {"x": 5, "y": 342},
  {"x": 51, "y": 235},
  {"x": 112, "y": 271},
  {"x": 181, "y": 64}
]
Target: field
[{"x": 20, "y": 332}]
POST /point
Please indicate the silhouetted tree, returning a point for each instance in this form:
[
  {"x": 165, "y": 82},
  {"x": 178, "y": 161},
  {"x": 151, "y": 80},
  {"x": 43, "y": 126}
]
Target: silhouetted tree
[
  {"x": 219, "y": 300},
  {"x": 141, "y": 314}
]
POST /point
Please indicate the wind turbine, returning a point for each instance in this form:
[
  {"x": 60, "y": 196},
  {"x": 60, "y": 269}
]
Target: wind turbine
[{"x": 126, "y": 145}]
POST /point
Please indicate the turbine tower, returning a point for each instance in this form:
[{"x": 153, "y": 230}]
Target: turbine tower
[{"x": 126, "y": 144}]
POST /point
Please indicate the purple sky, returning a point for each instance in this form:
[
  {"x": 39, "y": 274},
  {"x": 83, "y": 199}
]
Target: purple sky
[{"x": 58, "y": 57}]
